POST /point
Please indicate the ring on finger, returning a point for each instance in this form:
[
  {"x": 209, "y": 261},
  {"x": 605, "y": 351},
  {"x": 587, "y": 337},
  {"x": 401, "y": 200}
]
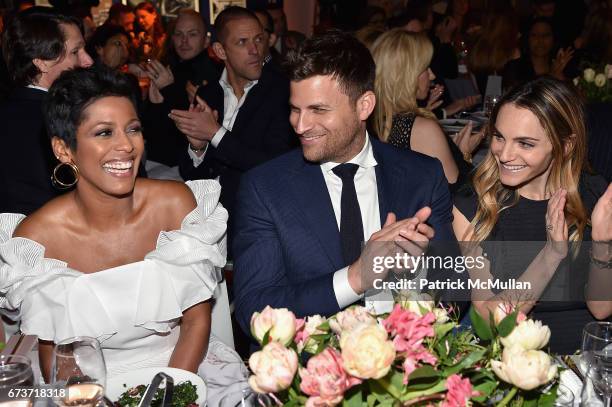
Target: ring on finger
[{"x": 549, "y": 228}]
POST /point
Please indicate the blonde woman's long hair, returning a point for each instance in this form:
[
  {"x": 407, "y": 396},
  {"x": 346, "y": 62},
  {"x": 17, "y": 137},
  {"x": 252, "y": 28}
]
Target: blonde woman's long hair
[
  {"x": 560, "y": 111},
  {"x": 400, "y": 58}
]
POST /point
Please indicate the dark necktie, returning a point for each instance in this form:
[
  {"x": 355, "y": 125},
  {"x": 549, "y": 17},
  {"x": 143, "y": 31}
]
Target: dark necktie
[{"x": 351, "y": 226}]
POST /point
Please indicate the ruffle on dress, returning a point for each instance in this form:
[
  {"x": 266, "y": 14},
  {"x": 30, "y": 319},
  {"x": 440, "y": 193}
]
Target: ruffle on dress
[{"x": 56, "y": 302}]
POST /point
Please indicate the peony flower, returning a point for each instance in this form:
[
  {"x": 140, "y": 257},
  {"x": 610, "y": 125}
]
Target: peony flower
[
  {"x": 529, "y": 335},
  {"x": 280, "y": 323},
  {"x": 503, "y": 310},
  {"x": 608, "y": 71},
  {"x": 589, "y": 75},
  {"x": 413, "y": 357},
  {"x": 459, "y": 392},
  {"x": 349, "y": 318},
  {"x": 409, "y": 329},
  {"x": 310, "y": 328},
  {"x": 600, "y": 80},
  {"x": 525, "y": 369},
  {"x": 274, "y": 368},
  {"x": 325, "y": 380},
  {"x": 366, "y": 351}
]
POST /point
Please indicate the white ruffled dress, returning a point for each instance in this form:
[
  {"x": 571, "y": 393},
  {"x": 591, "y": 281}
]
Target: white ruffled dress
[{"x": 133, "y": 309}]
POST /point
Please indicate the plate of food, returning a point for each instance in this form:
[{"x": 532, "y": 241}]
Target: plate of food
[{"x": 127, "y": 389}]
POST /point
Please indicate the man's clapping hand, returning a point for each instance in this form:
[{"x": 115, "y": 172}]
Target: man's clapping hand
[
  {"x": 411, "y": 235},
  {"x": 199, "y": 123}
]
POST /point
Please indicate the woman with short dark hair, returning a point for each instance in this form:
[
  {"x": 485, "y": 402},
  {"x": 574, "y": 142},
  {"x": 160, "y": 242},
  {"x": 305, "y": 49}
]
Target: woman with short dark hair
[{"x": 140, "y": 255}]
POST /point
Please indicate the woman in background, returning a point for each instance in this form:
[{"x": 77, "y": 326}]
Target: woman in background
[
  {"x": 151, "y": 38},
  {"x": 532, "y": 187},
  {"x": 403, "y": 77}
]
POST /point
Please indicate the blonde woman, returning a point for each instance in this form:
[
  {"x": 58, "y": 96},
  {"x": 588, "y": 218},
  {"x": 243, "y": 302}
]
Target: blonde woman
[
  {"x": 532, "y": 188},
  {"x": 403, "y": 76}
]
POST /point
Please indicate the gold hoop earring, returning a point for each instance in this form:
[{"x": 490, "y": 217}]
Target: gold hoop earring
[{"x": 58, "y": 183}]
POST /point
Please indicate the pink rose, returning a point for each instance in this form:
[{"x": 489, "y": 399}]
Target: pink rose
[
  {"x": 459, "y": 392},
  {"x": 274, "y": 368},
  {"x": 408, "y": 328},
  {"x": 310, "y": 327},
  {"x": 324, "y": 379}
]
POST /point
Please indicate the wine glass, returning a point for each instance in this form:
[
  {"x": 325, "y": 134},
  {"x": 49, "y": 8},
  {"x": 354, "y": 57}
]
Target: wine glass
[
  {"x": 15, "y": 370},
  {"x": 489, "y": 103},
  {"x": 597, "y": 355},
  {"x": 78, "y": 366}
]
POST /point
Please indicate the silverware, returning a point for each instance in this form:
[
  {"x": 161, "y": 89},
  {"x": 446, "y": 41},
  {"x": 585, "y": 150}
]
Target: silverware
[
  {"x": 567, "y": 359},
  {"x": 146, "y": 400}
]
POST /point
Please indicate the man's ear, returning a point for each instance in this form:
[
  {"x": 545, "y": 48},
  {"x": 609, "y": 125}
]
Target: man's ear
[
  {"x": 365, "y": 105},
  {"x": 219, "y": 50},
  {"x": 272, "y": 40},
  {"x": 41, "y": 64},
  {"x": 61, "y": 151}
]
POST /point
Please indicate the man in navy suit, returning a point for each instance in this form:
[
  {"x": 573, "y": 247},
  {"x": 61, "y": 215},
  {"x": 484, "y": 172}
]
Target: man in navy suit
[{"x": 292, "y": 213}]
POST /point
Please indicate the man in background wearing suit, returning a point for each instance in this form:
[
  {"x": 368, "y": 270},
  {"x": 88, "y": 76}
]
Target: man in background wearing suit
[
  {"x": 302, "y": 217},
  {"x": 242, "y": 120},
  {"x": 38, "y": 45}
]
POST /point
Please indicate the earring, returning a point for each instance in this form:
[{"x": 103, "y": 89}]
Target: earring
[{"x": 58, "y": 183}]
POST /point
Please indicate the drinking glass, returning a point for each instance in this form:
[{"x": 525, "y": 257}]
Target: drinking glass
[
  {"x": 248, "y": 399},
  {"x": 597, "y": 355},
  {"x": 15, "y": 371},
  {"x": 489, "y": 103},
  {"x": 597, "y": 388},
  {"x": 78, "y": 365}
]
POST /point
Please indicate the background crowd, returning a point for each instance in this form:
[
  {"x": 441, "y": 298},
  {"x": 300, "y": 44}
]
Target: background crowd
[{"x": 216, "y": 102}]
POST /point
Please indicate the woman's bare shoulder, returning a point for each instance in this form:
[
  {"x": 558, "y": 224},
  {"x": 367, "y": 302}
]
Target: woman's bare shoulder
[
  {"x": 173, "y": 199},
  {"x": 44, "y": 223},
  {"x": 427, "y": 125}
]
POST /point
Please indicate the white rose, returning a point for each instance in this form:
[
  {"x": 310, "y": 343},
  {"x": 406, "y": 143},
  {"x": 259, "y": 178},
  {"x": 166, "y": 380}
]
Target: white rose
[
  {"x": 600, "y": 80},
  {"x": 608, "y": 71},
  {"x": 589, "y": 75},
  {"x": 526, "y": 369},
  {"x": 349, "y": 318},
  {"x": 529, "y": 335},
  {"x": 279, "y": 323}
]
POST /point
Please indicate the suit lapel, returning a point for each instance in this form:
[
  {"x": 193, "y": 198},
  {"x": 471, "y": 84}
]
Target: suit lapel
[
  {"x": 389, "y": 179},
  {"x": 253, "y": 100},
  {"x": 312, "y": 197}
]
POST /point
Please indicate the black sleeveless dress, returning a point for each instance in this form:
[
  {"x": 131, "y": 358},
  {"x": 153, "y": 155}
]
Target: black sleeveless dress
[
  {"x": 522, "y": 229},
  {"x": 399, "y": 136}
]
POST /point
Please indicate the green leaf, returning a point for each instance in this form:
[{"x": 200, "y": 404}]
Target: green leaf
[
  {"x": 466, "y": 362},
  {"x": 443, "y": 329},
  {"x": 324, "y": 326},
  {"x": 371, "y": 400},
  {"x": 320, "y": 337},
  {"x": 485, "y": 389},
  {"x": 440, "y": 387},
  {"x": 422, "y": 378},
  {"x": 266, "y": 338},
  {"x": 548, "y": 399},
  {"x": 397, "y": 380},
  {"x": 353, "y": 397},
  {"x": 506, "y": 326},
  {"x": 481, "y": 327}
]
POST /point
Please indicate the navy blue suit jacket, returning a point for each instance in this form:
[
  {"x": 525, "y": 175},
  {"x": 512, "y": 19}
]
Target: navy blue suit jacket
[{"x": 286, "y": 241}]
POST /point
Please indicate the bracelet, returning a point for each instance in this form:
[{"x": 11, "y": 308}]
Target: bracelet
[
  {"x": 604, "y": 264},
  {"x": 197, "y": 150},
  {"x": 467, "y": 157}
]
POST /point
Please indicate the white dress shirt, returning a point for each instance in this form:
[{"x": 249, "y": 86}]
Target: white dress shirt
[
  {"x": 231, "y": 107},
  {"x": 367, "y": 196}
]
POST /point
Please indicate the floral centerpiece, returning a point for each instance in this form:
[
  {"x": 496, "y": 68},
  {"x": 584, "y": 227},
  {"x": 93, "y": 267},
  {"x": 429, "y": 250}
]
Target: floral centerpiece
[
  {"x": 415, "y": 355},
  {"x": 596, "y": 83}
]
